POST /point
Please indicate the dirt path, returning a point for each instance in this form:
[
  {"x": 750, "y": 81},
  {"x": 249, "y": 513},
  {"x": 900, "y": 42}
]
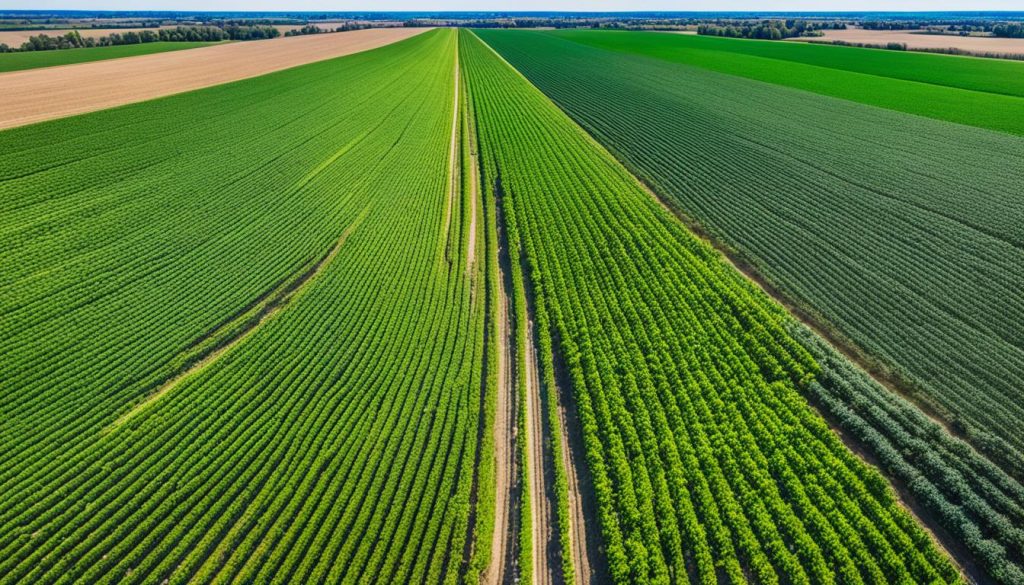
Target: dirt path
[
  {"x": 35, "y": 95},
  {"x": 502, "y": 545},
  {"x": 583, "y": 529},
  {"x": 453, "y": 158},
  {"x": 474, "y": 193},
  {"x": 546, "y": 570}
]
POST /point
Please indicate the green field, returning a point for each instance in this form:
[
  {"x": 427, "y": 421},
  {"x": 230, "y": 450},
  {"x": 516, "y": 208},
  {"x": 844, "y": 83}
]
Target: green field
[
  {"x": 900, "y": 234},
  {"x": 988, "y": 93},
  {"x": 497, "y": 306},
  {"x": 336, "y": 438},
  {"x": 706, "y": 461},
  {"x": 35, "y": 59}
]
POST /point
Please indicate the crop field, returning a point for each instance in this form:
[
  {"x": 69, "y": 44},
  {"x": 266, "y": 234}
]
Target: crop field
[
  {"x": 468, "y": 306},
  {"x": 917, "y": 265},
  {"x": 693, "y": 424},
  {"x": 353, "y": 411},
  {"x": 36, "y": 59},
  {"x": 988, "y": 93}
]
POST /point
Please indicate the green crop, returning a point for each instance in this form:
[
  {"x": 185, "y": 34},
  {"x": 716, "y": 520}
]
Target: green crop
[
  {"x": 900, "y": 235},
  {"x": 337, "y": 436},
  {"x": 707, "y": 462},
  {"x": 987, "y": 93}
]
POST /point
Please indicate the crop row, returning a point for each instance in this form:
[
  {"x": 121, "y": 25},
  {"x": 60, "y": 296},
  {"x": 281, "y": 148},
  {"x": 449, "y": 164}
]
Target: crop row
[{"x": 707, "y": 461}]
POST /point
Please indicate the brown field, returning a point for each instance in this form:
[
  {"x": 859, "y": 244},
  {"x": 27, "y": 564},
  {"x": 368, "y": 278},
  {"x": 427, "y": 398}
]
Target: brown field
[
  {"x": 35, "y": 95},
  {"x": 14, "y": 38},
  {"x": 914, "y": 40}
]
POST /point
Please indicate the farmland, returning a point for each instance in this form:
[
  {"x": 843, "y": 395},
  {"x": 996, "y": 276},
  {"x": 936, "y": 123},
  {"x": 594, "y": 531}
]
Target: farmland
[
  {"x": 116, "y": 82},
  {"x": 471, "y": 305},
  {"x": 33, "y": 60},
  {"x": 987, "y": 93},
  {"x": 713, "y": 366},
  {"x": 964, "y": 195},
  {"x": 207, "y": 490},
  {"x": 898, "y": 272}
]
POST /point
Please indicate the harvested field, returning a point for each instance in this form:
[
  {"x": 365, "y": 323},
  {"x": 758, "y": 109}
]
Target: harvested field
[
  {"x": 15, "y": 38},
  {"x": 124, "y": 81},
  {"x": 915, "y": 40}
]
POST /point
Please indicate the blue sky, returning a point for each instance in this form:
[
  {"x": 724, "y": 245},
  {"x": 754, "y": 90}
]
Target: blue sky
[{"x": 568, "y": 5}]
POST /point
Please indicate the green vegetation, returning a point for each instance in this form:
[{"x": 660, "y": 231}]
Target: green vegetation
[
  {"x": 34, "y": 59},
  {"x": 981, "y": 506},
  {"x": 987, "y": 93},
  {"x": 258, "y": 332},
  {"x": 901, "y": 234},
  {"x": 337, "y": 433},
  {"x": 707, "y": 461}
]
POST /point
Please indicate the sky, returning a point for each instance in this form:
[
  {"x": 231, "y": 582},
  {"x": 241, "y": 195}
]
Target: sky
[{"x": 561, "y": 5}]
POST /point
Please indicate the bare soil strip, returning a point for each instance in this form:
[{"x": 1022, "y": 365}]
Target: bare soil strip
[
  {"x": 274, "y": 303},
  {"x": 35, "y": 95},
  {"x": 583, "y": 528},
  {"x": 453, "y": 158},
  {"x": 500, "y": 569},
  {"x": 542, "y": 509},
  {"x": 504, "y": 567},
  {"x": 474, "y": 193}
]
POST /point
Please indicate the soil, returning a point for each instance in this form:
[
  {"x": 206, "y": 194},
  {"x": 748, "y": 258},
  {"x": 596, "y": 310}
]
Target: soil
[
  {"x": 35, "y": 95},
  {"x": 546, "y": 569},
  {"x": 453, "y": 158},
  {"x": 916, "y": 40},
  {"x": 499, "y": 568}
]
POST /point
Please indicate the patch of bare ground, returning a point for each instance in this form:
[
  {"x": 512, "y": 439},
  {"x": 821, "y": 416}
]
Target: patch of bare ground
[
  {"x": 917, "y": 40},
  {"x": 35, "y": 95},
  {"x": 235, "y": 331},
  {"x": 474, "y": 193},
  {"x": 453, "y": 160}
]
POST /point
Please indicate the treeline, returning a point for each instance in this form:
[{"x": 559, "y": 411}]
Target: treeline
[
  {"x": 74, "y": 39},
  {"x": 767, "y": 29},
  {"x": 558, "y": 23},
  {"x": 1013, "y": 30},
  {"x": 312, "y": 29}
]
